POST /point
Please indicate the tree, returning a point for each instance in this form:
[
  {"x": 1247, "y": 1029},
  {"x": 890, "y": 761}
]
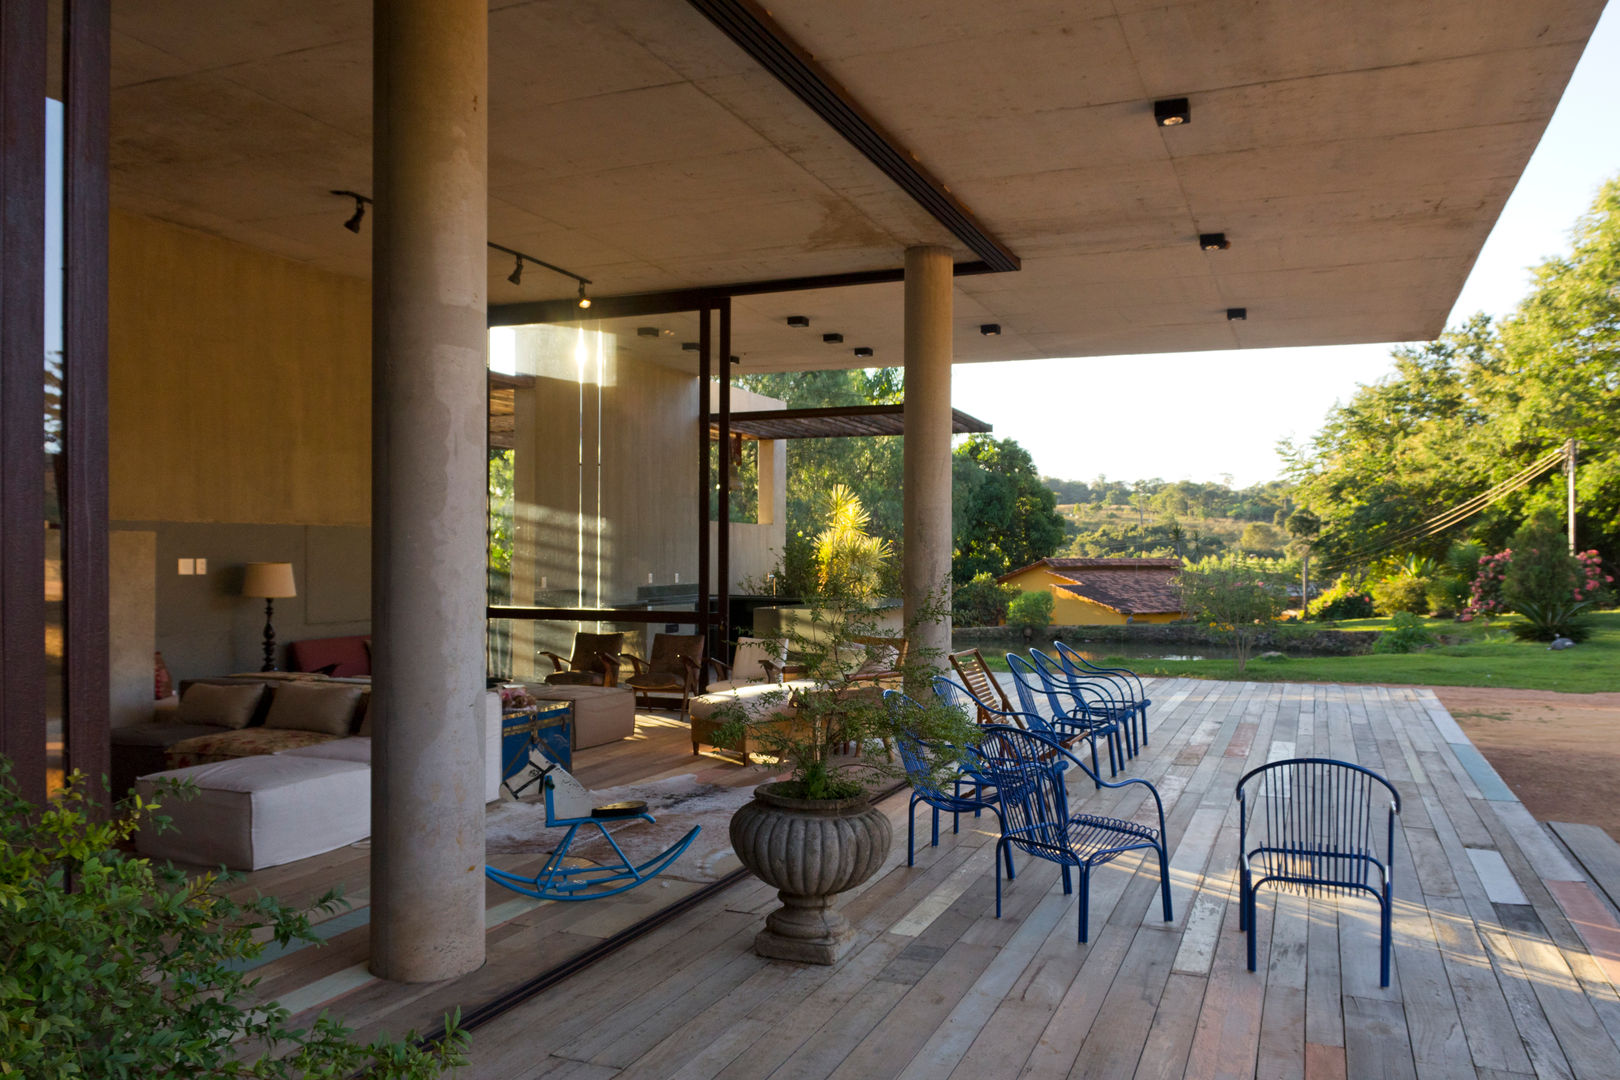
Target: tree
[
  {"x": 1261, "y": 539},
  {"x": 1304, "y": 527},
  {"x": 1234, "y": 593},
  {"x": 1004, "y": 516}
]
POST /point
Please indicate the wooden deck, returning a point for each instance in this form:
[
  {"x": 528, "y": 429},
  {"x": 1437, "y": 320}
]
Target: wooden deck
[{"x": 1506, "y": 959}]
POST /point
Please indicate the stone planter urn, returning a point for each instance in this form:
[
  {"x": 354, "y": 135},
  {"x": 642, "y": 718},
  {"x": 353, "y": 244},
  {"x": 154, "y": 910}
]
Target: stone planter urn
[{"x": 809, "y": 850}]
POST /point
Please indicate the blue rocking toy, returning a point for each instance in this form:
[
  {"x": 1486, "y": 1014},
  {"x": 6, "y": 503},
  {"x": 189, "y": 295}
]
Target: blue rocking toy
[{"x": 568, "y": 803}]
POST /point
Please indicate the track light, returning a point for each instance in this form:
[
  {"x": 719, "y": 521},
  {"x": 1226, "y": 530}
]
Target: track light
[
  {"x": 584, "y": 301},
  {"x": 516, "y": 276},
  {"x": 990, "y": 329},
  {"x": 1172, "y": 112},
  {"x": 353, "y": 224},
  {"x": 1213, "y": 241}
]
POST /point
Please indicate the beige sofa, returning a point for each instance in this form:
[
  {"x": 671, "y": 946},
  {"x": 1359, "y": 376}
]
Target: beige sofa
[{"x": 266, "y": 809}]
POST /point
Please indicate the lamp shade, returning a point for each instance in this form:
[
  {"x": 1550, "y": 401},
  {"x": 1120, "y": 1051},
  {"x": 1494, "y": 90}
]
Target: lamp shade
[{"x": 268, "y": 580}]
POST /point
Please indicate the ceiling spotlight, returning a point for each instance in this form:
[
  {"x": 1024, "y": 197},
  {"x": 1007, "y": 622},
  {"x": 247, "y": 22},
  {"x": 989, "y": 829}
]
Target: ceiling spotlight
[
  {"x": 646, "y": 331},
  {"x": 736, "y": 359},
  {"x": 833, "y": 339},
  {"x": 1172, "y": 112},
  {"x": 353, "y": 224},
  {"x": 798, "y": 320},
  {"x": 990, "y": 329},
  {"x": 1213, "y": 241},
  {"x": 516, "y": 276},
  {"x": 584, "y": 301},
  {"x": 862, "y": 350},
  {"x": 1237, "y": 314},
  {"x": 689, "y": 346}
]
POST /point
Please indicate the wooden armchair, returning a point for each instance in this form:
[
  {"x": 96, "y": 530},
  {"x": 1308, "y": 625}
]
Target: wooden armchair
[
  {"x": 981, "y": 683},
  {"x": 882, "y": 665},
  {"x": 595, "y": 661},
  {"x": 674, "y": 667}
]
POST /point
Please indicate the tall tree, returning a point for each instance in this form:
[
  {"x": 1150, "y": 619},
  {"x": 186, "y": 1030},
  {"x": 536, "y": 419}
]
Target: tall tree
[{"x": 1004, "y": 515}]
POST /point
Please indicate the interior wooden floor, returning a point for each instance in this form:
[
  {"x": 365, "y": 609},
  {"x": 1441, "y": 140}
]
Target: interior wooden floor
[{"x": 1507, "y": 955}]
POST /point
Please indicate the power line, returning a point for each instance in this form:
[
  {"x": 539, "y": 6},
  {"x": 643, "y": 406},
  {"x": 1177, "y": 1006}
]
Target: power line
[{"x": 1457, "y": 514}]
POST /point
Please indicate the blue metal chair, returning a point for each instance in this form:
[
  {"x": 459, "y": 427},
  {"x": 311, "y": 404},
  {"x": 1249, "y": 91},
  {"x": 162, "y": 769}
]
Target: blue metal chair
[
  {"x": 1027, "y": 769},
  {"x": 924, "y": 776},
  {"x": 1130, "y": 682},
  {"x": 1071, "y": 712},
  {"x": 1313, "y": 819},
  {"x": 1102, "y": 698}
]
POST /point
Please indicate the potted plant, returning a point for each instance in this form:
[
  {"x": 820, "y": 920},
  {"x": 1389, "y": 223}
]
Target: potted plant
[{"x": 817, "y": 834}]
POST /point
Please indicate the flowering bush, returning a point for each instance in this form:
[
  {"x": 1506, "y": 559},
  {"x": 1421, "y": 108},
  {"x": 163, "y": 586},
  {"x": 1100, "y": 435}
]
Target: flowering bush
[{"x": 1537, "y": 578}]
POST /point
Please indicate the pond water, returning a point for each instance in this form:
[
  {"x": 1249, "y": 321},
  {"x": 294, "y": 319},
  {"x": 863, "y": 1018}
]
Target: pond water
[{"x": 1098, "y": 651}]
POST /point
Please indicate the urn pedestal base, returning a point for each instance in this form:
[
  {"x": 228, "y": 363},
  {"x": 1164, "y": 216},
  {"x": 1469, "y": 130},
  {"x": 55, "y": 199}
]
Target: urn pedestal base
[{"x": 806, "y": 929}]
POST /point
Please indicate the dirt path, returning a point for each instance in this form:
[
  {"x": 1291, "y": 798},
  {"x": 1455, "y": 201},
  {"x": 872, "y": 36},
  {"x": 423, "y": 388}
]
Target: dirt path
[{"x": 1560, "y": 753}]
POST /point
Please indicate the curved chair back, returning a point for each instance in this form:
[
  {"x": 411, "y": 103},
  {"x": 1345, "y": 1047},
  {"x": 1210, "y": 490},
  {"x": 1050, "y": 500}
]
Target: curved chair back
[
  {"x": 1090, "y": 690},
  {"x": 1313, "y": 822},
  {"x": 1032, "y": 689},
  {"x": 1074, "y": 662},
  {"x": 1027, "y": 769}
]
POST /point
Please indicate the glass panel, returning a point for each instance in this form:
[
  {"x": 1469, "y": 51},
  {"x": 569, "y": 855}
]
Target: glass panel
[
  {"x": 548, "y": 644},
  {"x": 53, "y": 462},
  {"x": 593, "y": 475}
]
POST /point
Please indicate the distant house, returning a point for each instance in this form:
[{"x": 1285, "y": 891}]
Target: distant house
[{"x": 1094, "y": 592}]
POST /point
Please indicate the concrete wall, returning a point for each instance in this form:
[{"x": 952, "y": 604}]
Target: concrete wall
[
  {"x": 240, "y": 383},
  {"x": 132, "y": 604}
]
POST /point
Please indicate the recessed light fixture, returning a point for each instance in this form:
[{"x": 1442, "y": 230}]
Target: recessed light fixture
[
  {"x": 689, "y": 346},
  {"x": 1172, "y": 112},
  {"x": 833, "y": 339},
  {"x": 646, "y": 331},
  {"x": 1237, "y": 314},
  {"x": 990, "y": 329},
  {"x": 1213, "y": 241},
  {"x": 862, "y": 350},
  {"x": 798, "y": 320}
]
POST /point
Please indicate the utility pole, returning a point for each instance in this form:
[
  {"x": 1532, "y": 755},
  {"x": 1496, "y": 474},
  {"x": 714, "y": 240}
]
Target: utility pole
[{"x": 1569, "y": 484}]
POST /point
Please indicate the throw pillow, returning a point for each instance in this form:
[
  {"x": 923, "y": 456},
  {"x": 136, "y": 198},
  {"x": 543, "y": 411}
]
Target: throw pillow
[
  {"x": 162, "y": 681},
  {"x": 313, "y": 707},
  {"x": 222, "y": 706}
]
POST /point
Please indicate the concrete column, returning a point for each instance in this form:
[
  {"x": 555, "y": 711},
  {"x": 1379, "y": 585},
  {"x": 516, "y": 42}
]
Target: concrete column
[
  {"x": 926, "y": 563},
  {"x": 430, "y": 143}
]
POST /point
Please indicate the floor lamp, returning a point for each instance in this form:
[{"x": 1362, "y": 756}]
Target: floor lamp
[{"x": 269, "y": 581}]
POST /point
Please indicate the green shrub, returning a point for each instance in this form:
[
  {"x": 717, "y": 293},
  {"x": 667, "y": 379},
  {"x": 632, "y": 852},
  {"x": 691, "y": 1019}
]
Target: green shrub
[
  {"x": 1346, "y": 598},
  {"x": 1031, "y": 611},
  {"x": 1400, "y": 592},
  {"x": 1406, "y": 634},
  {"x": 1547, "y": 585},
  {"x": 981, "y": 602},
  {"x": 112, "y": 967}
]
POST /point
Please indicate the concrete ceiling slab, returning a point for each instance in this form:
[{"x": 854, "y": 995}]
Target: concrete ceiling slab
[{"x": 1356, "y": 155}]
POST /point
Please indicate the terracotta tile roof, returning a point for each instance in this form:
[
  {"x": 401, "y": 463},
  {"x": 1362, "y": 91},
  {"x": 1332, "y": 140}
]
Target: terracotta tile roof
[{"x": 1128, "y": 586}]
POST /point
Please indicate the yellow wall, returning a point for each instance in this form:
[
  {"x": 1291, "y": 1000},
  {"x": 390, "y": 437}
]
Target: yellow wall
[
  {"x": 240, "y": 383},
  {"x": 1071, "y": 610}
]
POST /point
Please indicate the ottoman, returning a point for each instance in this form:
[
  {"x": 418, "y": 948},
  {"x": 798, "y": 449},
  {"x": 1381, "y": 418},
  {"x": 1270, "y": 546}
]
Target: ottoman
[
  {"x": 602, "y": 714},
  {"x": 250, "y": 813}
]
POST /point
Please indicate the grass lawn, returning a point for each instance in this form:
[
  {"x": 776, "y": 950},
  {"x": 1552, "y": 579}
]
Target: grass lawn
[{"x": 1483, "y": 656}]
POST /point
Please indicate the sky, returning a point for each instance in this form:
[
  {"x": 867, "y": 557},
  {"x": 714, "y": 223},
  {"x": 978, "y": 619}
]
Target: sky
[{"x": 1226, "y": 411}]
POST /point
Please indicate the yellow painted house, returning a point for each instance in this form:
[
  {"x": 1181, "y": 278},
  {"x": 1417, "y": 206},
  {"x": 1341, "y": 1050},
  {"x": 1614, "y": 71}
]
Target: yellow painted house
[{"x": 1097, "y": 592}]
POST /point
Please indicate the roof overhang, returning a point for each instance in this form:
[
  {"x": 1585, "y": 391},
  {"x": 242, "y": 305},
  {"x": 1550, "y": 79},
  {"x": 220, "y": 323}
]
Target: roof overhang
[
  {"x": 846, "y": 421},
  {"x": 1356, "y": 156}
]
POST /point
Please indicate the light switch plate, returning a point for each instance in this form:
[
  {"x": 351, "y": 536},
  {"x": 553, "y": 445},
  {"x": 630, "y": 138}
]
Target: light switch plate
[
  {"x": 202, "y": 566},
  {"x": 188, "y": 567}
]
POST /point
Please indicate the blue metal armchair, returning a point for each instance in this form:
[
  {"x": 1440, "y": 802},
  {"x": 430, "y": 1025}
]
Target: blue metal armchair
[
  {"x": 1073, "y": 712},
  {"x": 968, "y": 792},
  {"x": 1128, "y": 682},
  {"x": 1027, "y": 769},
  {"x": 1312, "y": 825}
]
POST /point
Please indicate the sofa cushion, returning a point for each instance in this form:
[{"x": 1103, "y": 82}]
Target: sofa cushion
[
  {"x": 314, "y": 707},
  {"x": 220, "y": 706},
  {"x": 248, "y": 742},
  {"x": 261, "y": 811}
]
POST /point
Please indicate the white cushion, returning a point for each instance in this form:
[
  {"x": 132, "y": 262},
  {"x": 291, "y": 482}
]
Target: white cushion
[
  {"x": 748, "y": 664},
  {"x": 356, "y": 748},
  {"x": 755, "y": 698},
  {"x": 254, "y": 812}
]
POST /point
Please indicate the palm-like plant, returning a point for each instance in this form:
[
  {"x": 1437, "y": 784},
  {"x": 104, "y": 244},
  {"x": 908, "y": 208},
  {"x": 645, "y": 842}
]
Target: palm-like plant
[{"x": 848, "y": 558}]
